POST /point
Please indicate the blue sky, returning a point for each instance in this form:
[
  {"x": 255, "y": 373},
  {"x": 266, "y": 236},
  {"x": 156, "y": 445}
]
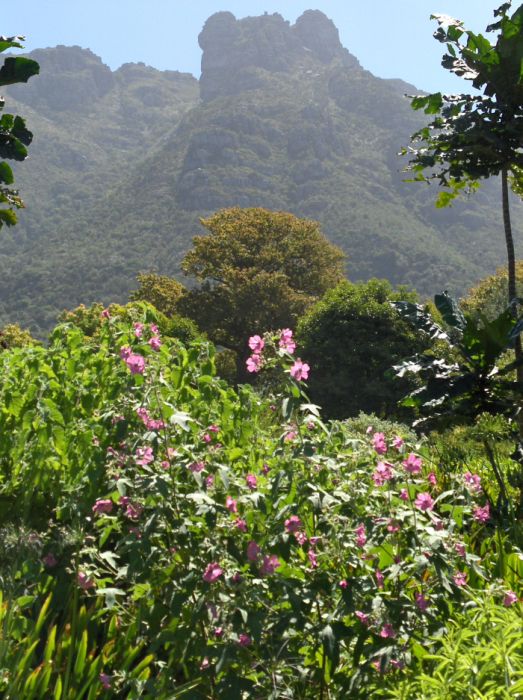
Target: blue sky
[{"x": 391, "y": 38}]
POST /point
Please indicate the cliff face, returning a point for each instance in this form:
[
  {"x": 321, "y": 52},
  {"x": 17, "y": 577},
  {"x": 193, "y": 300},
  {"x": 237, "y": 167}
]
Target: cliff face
[{"x": 239, "y": 55}]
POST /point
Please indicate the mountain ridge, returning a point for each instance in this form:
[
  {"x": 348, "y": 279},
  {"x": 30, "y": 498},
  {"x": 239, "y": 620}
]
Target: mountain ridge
[{"x": 125, "y": 162}]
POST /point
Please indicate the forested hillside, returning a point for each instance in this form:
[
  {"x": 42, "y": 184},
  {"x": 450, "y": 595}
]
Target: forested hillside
[{"x": 124, "y": 163}]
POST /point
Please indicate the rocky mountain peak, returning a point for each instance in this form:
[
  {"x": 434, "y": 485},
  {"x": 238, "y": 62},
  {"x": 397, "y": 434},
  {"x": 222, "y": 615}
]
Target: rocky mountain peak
[{"x": 236, "y": 52}]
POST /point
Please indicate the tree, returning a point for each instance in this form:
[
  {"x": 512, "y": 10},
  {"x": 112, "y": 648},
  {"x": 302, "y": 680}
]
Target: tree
[
  {"x": 489, "y": 295},
  {"x": 352, "y": 338},
  {"x": 14, "y": 136},
  {"x": 161, "y": 291},
  {"x": 258, "y": 270},
  {"x": 473, "y": 137}
]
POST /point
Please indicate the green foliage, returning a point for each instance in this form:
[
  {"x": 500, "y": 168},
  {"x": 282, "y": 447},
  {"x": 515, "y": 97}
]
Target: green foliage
[
  {"x": 352, "y": 338},
  {"x": 474, "y": 136},
  {"x": 366, "y": 423},
  {"x": 14, "y": 135},
  {"x": 161, "y": 291},
  {"x": 489, "y": 296},
  {"x": 469, "y": 380},
  {"x": 90, "y": 319},
  {"x": 204, "y": 541},
  {"x": 258, "y": 270},
  {"x": 480, "y": 657},
  {"x": 12, "y": 336}
]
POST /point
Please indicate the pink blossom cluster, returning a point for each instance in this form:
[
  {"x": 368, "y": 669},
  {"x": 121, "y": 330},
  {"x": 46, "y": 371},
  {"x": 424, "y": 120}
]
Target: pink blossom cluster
[
  {"x": 135, "y": 362},
  {"x": 150, "y": 423}
]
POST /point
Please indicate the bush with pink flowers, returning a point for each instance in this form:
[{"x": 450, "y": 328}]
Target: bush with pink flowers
[{"x": 242, "y": 546}]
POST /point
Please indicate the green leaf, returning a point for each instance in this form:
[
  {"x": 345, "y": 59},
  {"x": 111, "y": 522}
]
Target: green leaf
[
  {"x": 6, "y": 174},
  {"x": 18, "y": 70},
  {"x": 450, "y": 310}
]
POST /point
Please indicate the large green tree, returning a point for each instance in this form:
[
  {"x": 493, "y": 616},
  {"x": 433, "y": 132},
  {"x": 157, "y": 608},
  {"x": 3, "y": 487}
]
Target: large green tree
[
  {"x": 258, "y": 270},
  {"x": 473, "y": 137},
  {"x": 352, "y": 338},
  {"x": 14, "y": 135}
]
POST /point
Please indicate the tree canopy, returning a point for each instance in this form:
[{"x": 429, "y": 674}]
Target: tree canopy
[
  {"x": 352, "y": 338},
  {"x": 258, "y": 270},
  {"x": 14, "y": 135}
]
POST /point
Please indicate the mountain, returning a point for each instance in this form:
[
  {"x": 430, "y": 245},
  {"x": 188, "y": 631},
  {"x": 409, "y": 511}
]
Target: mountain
[{"x": 124, "y": 163}]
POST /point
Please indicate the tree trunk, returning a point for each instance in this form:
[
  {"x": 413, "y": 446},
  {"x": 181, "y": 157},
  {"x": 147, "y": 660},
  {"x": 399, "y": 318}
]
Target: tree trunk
[{"x": 511, "y": 266}]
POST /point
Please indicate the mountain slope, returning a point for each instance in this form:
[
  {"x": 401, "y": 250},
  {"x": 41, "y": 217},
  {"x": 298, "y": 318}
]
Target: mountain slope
[{"x": 125, "y": 163}]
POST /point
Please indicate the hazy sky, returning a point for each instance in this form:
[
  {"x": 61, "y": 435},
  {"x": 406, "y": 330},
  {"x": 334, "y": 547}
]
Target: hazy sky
[{"x": 391, "y": 38}]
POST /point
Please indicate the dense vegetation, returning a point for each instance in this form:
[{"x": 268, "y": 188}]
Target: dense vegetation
[{"x": 166, "y": 533}]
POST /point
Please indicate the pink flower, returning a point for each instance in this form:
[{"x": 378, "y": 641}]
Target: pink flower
[
  {"x": 412, "y": 464},
  {"x": 509, "y": 599},
  {"x": 231, "y": 504},
  {"x": 300, "y": 370},
  {"x": 256, "y": 344},
  {"x": 290, "y": 436},
  {"x": 404, "y": 495},
  {"x": 362, "y": 617},
  {"x": 379, "y": 578},
  {"x": 138, "y": 329},
  {"x": 383, "y": 473},
  {"x": 50, "y": 561},
  {"x": 251, "y": 481},
  {"x": 84, "y": 581},
  {"x": 213, "y": 428},
  {"x": 460, "y": 579},
  {"x": 205, "y": 664},
  {"x": 387, "y": 631},
  {"x": 472, "y": 482},
  {"x": 105, "y": 680},
  {"x": 253, "y": 363},
  {"x": 244, "y": 640},
  {"x": 481, "y": 515},
  {"x": 218, "y": 632},
  {"x": 393, "y": 526},
  {"x": 241, "y": 524},
  {"x": 432, "y": 479},
  {"x": 212, "y": 573},
  {"x": 105, "y": 314},
  {"x": 207, "y": 438},
  {"x": 253, "y": 551},
  {"x": 421, "y": 602},
  {"x": 209, "y": 481},
  {"x": 300, "y": 537},
  {"x": 343, "y": 583},
  {"x": 293, "y": 524},
  {"x": 459, "y": 547},
  {"x": 154, "y": 329},
  {"x": 103, "y": 505},
  {"x": 379, "y": 443},
  {"x": 398, "y": 442},
  {"x": 155, "y": 343},
  {"x": 196, "y": 467},
  {"x": 313, "y": 559},
  {"x": 265, "y": 469},
  {"x": 125, "y": 351},
  {"x": 144, "y": 455},
  {"x": 269, "y": 565},
  {"x": 286, "y": 342},
  {"x": 133, "y": 510},
  {"x": 136, "y": 363},
  {"x": 424, "y": 501},
  {"x": 361, "y": 536}
]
